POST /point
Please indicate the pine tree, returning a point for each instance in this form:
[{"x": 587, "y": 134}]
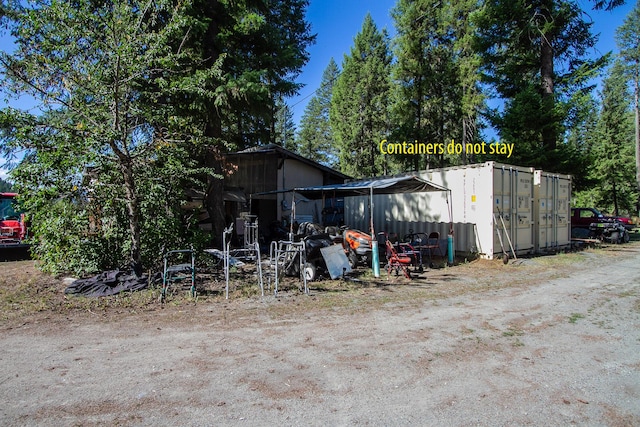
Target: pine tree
[
  {"x": 285, "y": 128},
  {"x": 262, "y": 48},
  {"x": 628, "y": 39},
  {"x": 5, "y": 187},
  {"x": 468, "y": 63},
  {"x": 535, "y": 56},
  {"x": 614, "y": 148},
  {"x": 579, "y": 143},
  {"x": 359, "y": 114},
  {"x": 315, "y": 140},
  {"x": 436, "y": 76}
]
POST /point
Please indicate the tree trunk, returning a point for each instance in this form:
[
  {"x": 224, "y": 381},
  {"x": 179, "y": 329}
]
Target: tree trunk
[
  {"x": 615, "y": 198},
  {"x": 214, "y": 198},
  {"x": 133, "y": 214},
  {"x": 416, "y": 159},
  {"x": 215, "y": 189},
  {"x": 547, "y": 77}
]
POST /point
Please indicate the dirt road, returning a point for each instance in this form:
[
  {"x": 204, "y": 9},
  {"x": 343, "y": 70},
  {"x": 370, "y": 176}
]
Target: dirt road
[{"x": 547, "y": 341}]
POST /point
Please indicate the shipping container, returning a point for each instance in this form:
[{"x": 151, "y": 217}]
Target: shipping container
[
  {"x": 552, "y": 194},
  {"x": 490, "y": 205}
]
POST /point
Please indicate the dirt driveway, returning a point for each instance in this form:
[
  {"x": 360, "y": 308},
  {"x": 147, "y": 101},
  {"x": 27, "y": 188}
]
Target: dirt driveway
[{"x": 544, "y": 341}]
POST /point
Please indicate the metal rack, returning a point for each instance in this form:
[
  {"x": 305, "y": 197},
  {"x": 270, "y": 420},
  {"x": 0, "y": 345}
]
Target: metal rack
[
  {"x": 285, "y": 255},
  {"x": 178, "y": 272},
  {"x": 250, "y": 252}
]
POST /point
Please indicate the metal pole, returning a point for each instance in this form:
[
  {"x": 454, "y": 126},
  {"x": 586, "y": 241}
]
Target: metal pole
[
  {"x": 450, "y": 243},
  {"x": 508, "y": 239},
  {"x": 293, "y": 215},
  {"x": 226, "y": 248},
  {"x": 259, "y": 266}
]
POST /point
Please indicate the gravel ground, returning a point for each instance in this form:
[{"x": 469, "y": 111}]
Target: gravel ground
[{"x": 543, "y": 341}]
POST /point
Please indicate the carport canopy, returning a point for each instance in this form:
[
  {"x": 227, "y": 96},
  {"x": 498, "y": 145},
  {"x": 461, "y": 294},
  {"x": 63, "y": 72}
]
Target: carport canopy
[
  {"x": 406, "y": 184},
  {"x": 369, "y": 187}
]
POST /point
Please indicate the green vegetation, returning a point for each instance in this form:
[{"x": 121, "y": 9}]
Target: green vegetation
[
  {"x": 315, "y": 140},
  {"x": 359, "y": 107},
  {"x": 575, "y": 316},
  {"x": 138, "y": 102},
  {"x": 5, "y": 187}
]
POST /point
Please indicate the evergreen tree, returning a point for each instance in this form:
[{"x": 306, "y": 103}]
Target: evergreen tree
[
  {"x": 5, "y": 187},
  {"x": 580, "y": 140},
  {"x": 437, "y": 75},
  {"x": 285, "y": 128},
  {"x": 315, "y": 140},
  {"x": 468, "y": 63},
  {"x": 535, "y": 56},
  {"x": 613, "y": 151},
  {"x": 628, "y": 39},
  {"x": 262, "y": 48},
  {"x": 359, "y": 116}
]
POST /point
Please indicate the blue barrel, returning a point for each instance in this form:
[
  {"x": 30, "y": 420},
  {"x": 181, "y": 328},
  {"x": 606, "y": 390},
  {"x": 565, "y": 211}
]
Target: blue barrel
[{"x": 450, "y": 250}]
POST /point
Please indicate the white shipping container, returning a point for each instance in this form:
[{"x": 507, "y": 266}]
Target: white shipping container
[
  {"x": 552, "y": 194},
  {"x": 496, "y": 198}
]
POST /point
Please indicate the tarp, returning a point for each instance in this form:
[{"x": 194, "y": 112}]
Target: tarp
[
  {"x": 234, "y": 196},
  {"x": 109, "y": 283}
]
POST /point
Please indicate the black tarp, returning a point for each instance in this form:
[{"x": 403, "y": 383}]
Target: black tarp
[{"x": 109, "y": 283}]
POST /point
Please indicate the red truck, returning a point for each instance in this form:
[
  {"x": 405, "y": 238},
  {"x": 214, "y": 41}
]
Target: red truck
[
  {"x": 583, "y": 217},
  {"x": 590, "y": 223},
  {"x": 13, "y": 227}
]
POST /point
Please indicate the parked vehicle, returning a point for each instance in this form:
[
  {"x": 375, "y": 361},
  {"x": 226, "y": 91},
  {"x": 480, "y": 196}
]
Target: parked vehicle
[
  {"x": 611, "y": 232},
  {"x": 584, "y": 217},
  {"x": 13, "y": 227},
  {"x": 596, "y": 225}
]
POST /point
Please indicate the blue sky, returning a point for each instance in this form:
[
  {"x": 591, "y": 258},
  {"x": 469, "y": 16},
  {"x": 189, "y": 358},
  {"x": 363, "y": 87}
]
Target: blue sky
[{"x": 336, "y": 23}]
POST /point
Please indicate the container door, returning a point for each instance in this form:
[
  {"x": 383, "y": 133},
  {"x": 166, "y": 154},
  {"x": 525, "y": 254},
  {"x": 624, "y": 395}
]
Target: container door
[
  {"x": 513, "y": 194},
  {"x": 553, "y": 197},
  {"x": 563, "y": 211}
]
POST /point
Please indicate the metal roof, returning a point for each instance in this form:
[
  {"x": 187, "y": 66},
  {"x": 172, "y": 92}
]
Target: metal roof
[
  {"x": 278, "y": 149},
  {"x": 405, "y": 184}
]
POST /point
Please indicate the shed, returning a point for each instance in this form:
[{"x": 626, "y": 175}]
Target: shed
[{"x": 269, "y": 170}]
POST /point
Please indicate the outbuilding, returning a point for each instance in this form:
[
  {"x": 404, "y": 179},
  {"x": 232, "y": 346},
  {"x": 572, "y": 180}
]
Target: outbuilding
[{"x": 269, "y": 171}]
